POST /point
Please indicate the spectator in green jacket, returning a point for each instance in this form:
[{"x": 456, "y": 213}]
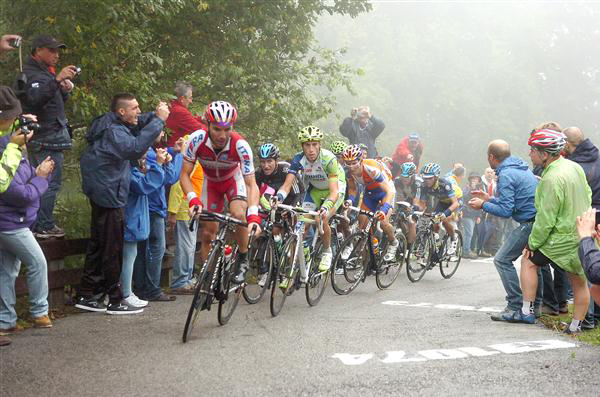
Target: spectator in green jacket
[{"x": 561, "y": 195}]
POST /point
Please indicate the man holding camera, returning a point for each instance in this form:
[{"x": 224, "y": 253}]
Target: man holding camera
[
  {"x": 362, "y": 127},
  {"x": 45, "y": 95}
]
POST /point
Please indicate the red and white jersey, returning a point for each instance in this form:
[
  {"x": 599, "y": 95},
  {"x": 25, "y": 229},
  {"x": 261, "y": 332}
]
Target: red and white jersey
[{"x": 221, "y": 166}]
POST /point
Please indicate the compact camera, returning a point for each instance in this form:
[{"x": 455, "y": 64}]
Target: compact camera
[
  {"x": 27, "y": 125},
  {"x": 14, "y": 43}
]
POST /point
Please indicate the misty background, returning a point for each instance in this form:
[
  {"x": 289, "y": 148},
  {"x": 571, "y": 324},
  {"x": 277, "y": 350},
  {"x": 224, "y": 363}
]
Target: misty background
[{"x": 463, "y": 73}]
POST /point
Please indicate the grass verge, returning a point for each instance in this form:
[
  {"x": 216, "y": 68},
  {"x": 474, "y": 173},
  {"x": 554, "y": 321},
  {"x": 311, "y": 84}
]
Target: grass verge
[{"x": 556, "y": 323}]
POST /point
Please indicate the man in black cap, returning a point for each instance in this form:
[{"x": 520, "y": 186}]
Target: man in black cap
[{"x": 45, "y": 96}]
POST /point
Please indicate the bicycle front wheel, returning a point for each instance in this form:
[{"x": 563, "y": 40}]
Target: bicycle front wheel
[
  {"x": 259, "y": 272},
  {"x": 283, "y": 276},
  {"x": 230, "y": 298},
  {"x": 449, "y": 264},
  {"x": 201, "y": 297},
  {"x": 348, "y": 265},
  {"x": 315, "y": 285},
  {"x": 387, "y": 271},
  {"x": 419, "y": 256}
]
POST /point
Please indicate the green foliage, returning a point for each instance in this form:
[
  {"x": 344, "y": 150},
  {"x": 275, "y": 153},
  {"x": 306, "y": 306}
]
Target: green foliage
[{"x": 259, "y": 55}]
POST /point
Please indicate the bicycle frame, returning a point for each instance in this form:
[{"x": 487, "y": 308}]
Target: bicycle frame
[{"x": 368, "y": 233}]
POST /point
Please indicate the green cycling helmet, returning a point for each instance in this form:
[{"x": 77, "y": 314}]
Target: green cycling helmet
[
  {"x": 337, "y": 147},
  {"x": 310, "y": 134}
]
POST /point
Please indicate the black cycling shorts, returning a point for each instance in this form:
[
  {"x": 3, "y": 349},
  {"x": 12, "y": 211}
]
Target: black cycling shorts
[{"x": 540, "y": 259}]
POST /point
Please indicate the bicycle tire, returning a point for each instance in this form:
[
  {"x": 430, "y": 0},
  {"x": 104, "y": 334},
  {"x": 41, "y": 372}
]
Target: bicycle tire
[
  {"x": 415, "y": 271},
  {"x": 387, "y": 272},
  {"x": 315, "y": 285},
  {"x": 286, "y": 262},
  {"x": 252, "y": 292},
  {"x": 446, "y": 269},
  {"x": 347, "y": 273},
  {"x": 200, "y": 299},
  {"x": 230, "y": 300}
]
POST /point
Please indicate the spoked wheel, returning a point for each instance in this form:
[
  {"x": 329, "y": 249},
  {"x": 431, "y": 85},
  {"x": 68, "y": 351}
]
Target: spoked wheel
[
  {"x": 201, "y": 295},
  {"x": 387, "y": 271},
  {"x": 315, "y": 285},
  {"x": 229, "y": 300},
  {"x": 449, "y": 264},
  {"x": 419, "y": 257},
  {"x": 282, "y": 283},
  {"x": 348, "y": 265},
  {"x": 259, "y": 273}
]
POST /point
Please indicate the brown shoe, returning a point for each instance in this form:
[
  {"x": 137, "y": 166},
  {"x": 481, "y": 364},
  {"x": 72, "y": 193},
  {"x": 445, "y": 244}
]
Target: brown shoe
[
  {"x": 42, "y": 322},
  {"x": 4, "y": 341},
  {"x": 187, "y": 290},
  {"x": 549, "y": 311},
  {"x": 11, "y": 330}
]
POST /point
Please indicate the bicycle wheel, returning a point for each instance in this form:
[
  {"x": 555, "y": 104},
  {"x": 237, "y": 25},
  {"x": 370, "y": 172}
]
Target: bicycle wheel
[
  {"x": 449, "y": 264},
  {"x": 230, "y": 297},
  {"x": 346, "y": 272},
  {"x": 315, "y": 285},
  {"x": 283, "y": 273},
  {"x": 387, "y": 271},
  {"x": 261, "y": 265},
  {"x": 201, "y": 295},
  {"x": 419, "y": 257}
]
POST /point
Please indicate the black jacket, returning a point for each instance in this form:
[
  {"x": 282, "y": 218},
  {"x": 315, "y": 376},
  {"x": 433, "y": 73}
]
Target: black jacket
[
  {"x": 588, "y": 157},
  {"x": 105, "y": 163},
  {"x": 44, "y": 98},
  {"x": 356, "y": 135}
]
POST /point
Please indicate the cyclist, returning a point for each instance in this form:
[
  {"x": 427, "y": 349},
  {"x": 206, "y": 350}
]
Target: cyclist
[
  {"x": 337, "y": 147},
  {"x": 437, "y": 196},
  {"x": 226, "y": 158},
  {"x": 325, "y": 183},
  {"x": 271, "y": 175},
  {"x": 407, "y": 186},
  {"x": 379, "y": 194}
]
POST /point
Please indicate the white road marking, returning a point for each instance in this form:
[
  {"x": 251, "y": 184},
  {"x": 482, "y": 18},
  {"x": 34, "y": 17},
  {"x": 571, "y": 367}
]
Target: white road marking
[
  {"x": 445, "y": 306},
  {"x": 400, "y": 356}
]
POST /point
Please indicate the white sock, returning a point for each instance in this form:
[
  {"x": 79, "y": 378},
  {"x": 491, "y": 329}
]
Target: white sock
[
  {"x": 526, "y": 309},
  {"x": 395, "y": 242},
  {"x": 327, "y": 250},
  {"x": 574, "y": 326}
]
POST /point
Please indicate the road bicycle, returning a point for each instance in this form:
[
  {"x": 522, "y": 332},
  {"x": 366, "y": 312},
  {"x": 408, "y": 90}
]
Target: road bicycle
[
  {"x": 366, "y": 256},
  {"x": 215, "y": 280},
  {"x": 429, "y": 249}
]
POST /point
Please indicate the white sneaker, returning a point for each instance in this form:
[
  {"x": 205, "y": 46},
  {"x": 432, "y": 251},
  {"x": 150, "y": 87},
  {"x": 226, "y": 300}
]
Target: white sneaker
[
  {"x": 347, "y": 251},
  {"x": 134, "y": 301},
  {"x": 325, "y": 264},
  {"x": 452, "y": 247},
  {"x": 390, "y": 253},
  {"x": 263, "y": 279}
]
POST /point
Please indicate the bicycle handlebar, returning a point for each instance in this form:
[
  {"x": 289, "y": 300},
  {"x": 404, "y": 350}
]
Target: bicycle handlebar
[{"x": 303, "y": 211}]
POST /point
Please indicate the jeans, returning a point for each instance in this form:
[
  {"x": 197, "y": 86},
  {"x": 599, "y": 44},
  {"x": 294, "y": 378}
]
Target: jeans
[
  {"x": 504, "y": 260},
  {"x": 18, "y": 246},
  {"x": 104, "y": 256},
  {"x": 468, "y": 228},
  {"x": 129, "y": 255},
  {"x": 45, "y": 219},
  {"x": 185, "y": 250},
  {"x": 555, "y": 289},
  {"x": 148, "y": 264}
]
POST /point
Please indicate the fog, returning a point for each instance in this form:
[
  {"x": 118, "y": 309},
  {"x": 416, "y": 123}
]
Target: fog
[{"x": 463, "y": 73}]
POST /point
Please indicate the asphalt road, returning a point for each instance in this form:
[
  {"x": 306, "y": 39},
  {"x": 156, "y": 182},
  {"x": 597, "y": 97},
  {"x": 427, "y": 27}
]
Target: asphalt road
[{"x": 432, "y": 337}]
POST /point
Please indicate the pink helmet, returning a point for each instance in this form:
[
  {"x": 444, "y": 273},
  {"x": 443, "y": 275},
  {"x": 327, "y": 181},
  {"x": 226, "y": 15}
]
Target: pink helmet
[
  {"x": 549, "y": 141},
  {"x": 220, "y": 113}
]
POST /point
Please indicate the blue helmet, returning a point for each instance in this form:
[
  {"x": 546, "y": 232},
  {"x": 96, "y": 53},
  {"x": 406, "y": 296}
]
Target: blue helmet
[
  {"x": 408, "y": 169},
  {"x": 268, "y": 151},
  {"x": 430, "y": 170},
  {"x": 414, "y": 137}
]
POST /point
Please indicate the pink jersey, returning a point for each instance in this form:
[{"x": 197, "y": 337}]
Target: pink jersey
[{"x": 221, "y": 166}]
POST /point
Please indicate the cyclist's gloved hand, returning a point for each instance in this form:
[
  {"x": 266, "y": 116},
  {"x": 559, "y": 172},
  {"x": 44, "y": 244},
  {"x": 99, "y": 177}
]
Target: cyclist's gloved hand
[
  {"x": 265, "y": 203},
  {"x": 347, "y": 203},
  {"x": 195, "y": 205},
  {"x": 379, "y": 215},
  {"x": 324, "y": 210},
  {"x": 383, "y": 210},
  {"x": 439, "y": 216},
  {"x": 277, "y": 198},
  {"x": 416, "y": 207},
  {"x": 253, "y": 219}
]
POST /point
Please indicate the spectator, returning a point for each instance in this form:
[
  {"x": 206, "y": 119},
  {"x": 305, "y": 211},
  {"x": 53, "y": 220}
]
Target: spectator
[
  {"x": 6, "y": 43},
  {"x": 516, "y": 191},
  {"x": 148, "y": 263},
  {"x": 585, "y": 153},
  {"x": 10, "y": 108},
  {"x": 181, "y": 121},
  {"x": 362, "y": 127},
  {"x": 114, "y": 139},
  {"x": 471, "y": 216},
  {"x": 18, "y": 209},
  {"x": 45, "y": 95},
  {"x": 182, "y": 280},
  {"x": 561, "y": 195},
  {"x": 410, "y": 149},
  {"x": 144, "y": 180},
  {"x": 487, "y": 226},
  {"x": 588, "y": 230}
]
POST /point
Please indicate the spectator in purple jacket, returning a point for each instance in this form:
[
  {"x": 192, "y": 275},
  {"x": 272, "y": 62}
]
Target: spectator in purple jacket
[{"x": 19, "y": 205}]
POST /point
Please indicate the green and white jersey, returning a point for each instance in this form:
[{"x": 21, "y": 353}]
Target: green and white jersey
[{"x": 318, "y": 173}]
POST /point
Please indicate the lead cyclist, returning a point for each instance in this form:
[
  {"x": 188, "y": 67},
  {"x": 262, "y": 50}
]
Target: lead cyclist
[
  {"x": 226, "y": 159},
  {"x": 325, "y": 184}
]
